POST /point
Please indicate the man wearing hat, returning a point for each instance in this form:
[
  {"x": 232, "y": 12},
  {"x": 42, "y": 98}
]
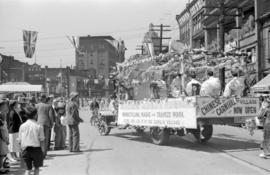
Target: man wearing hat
[
  {"x": 236, "y": 85},
  {"x": 73, "y": 119},
  {"x": 46, "y": 118}
]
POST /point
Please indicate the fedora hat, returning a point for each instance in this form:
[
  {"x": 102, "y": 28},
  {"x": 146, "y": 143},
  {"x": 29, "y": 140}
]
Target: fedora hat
[{"x": 3, "y": 98}]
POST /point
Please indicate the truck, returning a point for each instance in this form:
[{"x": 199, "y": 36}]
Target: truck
[{"x": 172, "y": 116}]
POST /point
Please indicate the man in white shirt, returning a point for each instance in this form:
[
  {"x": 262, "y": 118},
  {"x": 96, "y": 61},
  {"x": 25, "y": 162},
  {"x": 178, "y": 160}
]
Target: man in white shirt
[
  {"x": 211, "y": 86},
  {"x": 193, "y": 85},
  {"x": 235, "y": 86},
  {"x": 31, "y": 138}
]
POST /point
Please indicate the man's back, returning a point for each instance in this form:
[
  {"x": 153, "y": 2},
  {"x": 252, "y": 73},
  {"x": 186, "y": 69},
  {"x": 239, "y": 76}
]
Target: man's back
[
  {"x": 211, "y": 87},
  {"x": 234, "y": 87},
  {"x": 45, "y": 114}
]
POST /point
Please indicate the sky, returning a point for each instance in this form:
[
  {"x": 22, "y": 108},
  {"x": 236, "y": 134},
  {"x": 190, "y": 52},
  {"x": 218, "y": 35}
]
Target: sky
[{"x": 54, "y": 20}]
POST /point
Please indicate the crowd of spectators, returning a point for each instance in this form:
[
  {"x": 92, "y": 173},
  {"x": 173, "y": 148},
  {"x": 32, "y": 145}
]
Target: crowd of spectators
[{"x": 29, "y": 126}]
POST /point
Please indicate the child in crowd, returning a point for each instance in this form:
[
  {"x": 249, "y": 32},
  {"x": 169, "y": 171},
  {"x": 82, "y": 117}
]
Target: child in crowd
[{"x": 31, "y": 139}]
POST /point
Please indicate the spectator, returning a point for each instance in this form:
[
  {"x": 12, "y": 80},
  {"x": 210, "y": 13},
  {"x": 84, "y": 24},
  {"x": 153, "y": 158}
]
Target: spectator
[
  {"x": 45, "y": 117},
  {"x": 31, "y": 139},
  {"x": 32, "y": 101},
  {"x": 73, "y": 119},
  {"x": 4, "y": 139},
  {"x": 21, "y": 105},
  {"x": 14, "y": 123},
  {"x": 264, "y": 117},
  {"x": 94, "y": 105},
  {"x": 59, "y": 129}
]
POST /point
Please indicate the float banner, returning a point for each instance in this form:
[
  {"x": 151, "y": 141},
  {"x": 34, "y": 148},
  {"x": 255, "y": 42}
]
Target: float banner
[
  {"x": 228, "y": 107},
  {"x": 174, "y": 113},
  {"x": 29, "y": 42}
]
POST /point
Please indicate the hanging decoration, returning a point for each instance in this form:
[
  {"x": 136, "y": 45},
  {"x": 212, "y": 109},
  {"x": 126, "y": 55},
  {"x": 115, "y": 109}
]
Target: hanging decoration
[{"x": 29, "y": 42}]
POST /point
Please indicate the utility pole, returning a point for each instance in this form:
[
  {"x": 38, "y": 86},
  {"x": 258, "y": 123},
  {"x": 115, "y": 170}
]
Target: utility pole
[
  {"x": 140, "y": 47},
  {"x": 161, "y": 30}
]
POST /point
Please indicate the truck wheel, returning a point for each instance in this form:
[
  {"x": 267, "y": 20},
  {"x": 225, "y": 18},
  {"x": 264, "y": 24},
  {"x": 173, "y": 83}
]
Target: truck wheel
[
  {"x": 159, "y": 136},
  {"x": 204, "y": 134},
  {"x": 104, "y": 129}
]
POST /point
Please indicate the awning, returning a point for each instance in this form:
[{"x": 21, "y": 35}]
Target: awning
[
  {"x": 263, "y": 85},
  {"x": 20, "y": 87}
]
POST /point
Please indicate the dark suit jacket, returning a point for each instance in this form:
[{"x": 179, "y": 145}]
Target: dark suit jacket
[
  {"x": 14, "y": 121},
  {"x": 72, "y": 113},
  {"x": 46, "y": 115}
]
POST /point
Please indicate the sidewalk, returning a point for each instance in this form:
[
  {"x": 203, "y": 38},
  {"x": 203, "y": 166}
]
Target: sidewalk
[{"x": 59, "y": 162}]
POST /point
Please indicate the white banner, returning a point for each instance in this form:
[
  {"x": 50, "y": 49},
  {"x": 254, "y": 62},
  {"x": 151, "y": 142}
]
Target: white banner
[{"x": 174, "y": 113}]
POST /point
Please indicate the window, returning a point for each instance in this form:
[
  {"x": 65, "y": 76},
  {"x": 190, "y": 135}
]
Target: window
[{"x": 101, "y": 46}]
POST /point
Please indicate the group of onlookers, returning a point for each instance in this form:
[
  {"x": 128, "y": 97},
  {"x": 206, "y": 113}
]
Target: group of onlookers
[{"x": 27, "y": 126}]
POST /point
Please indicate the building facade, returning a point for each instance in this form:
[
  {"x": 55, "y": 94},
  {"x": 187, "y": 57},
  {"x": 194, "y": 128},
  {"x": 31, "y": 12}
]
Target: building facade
[
  {"x": 98, "y": 55},
  {"x": 263, "y": 34},
  {"x": 202, "y": 24},
  {"x": 190, "y": 24}
]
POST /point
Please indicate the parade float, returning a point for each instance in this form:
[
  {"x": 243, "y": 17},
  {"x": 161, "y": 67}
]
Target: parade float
[{"x": 147, "y": 99}]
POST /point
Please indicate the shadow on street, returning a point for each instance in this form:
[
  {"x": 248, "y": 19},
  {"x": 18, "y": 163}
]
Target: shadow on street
[{"x": 218, "y": 143}]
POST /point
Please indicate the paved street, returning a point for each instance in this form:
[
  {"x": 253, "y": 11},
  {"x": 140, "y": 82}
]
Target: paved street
[{"x": 230, "y": 152}]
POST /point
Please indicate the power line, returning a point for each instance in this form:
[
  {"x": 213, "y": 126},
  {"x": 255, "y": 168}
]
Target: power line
[{"x": 58, "y": 37}]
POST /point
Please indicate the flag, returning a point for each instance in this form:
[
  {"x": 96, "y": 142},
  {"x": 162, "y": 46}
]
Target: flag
[
  {"x": 75, "y": 43},
  {"x": 150, "y": 48},
  {"x": 29, "y": 42}
]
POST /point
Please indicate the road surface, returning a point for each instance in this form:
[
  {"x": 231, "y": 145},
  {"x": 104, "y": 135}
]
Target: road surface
[{"x": 231, "y": 151}]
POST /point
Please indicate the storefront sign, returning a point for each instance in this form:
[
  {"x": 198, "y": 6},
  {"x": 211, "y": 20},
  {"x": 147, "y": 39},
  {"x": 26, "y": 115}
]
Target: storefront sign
[
  {"x": 175, "y": 113},
  {"x": 228, "y": 107}
]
